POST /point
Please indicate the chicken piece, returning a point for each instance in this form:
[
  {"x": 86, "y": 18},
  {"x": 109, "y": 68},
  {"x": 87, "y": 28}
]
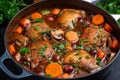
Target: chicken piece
[
  {"x": 20, "y": 39},
  {"x": 36, "y": 29},
  {"x": 95, "y": 35},
  {"x": 39, "y": 50},
  {"x": 87, "y": 62},
  {"x": 70, "y": 16}
]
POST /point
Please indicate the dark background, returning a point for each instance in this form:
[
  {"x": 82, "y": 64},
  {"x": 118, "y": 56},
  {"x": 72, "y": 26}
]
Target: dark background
[{"x": 113, "y": 75}]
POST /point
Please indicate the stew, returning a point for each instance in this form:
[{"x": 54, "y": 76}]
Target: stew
[{"x": 63, "y": 43}]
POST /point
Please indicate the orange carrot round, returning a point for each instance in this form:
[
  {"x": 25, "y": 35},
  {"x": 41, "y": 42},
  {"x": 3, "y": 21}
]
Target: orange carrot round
[
  {"x": 36, "y": 15},
  {"x": 72, "y": 36},
  {"x": 114, "y": 44},
  {"x": 107, "y": 27},
  {"x": 56, "y": 11},
  {"x": 98, "y": 19},
  {"x": 25, "y": 22},
  {"x": 54, "y": 70},
  {"x": 12, "y": 49},
  {"x": 19, "y": 30},
  {"x": 100, "y": 54}
]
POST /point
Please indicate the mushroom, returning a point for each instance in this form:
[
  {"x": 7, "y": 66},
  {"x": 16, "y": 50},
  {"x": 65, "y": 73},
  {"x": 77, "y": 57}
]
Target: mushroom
[{"x": 57, "y": 34}]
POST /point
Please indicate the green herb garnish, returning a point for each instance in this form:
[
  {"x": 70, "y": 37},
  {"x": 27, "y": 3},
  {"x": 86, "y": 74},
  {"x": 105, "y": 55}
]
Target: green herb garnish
[
  {"x": 45, "y": 12},
  {"x": 76, "y": 65},
  {"x": 42, "y": 49},
  {"x": 98, "y": 61},
  {"x": 24, "y": 50},
  {"x": 36, "y": 28},
  {"x": 34, "y": 39},
  {"x": 44, "y": 33},
  {"x": 87, "y": 57},
  {"x": 74, "y": 24},
  {"x": 38, "y": 20},
  {"x": 60, "y": 14}
]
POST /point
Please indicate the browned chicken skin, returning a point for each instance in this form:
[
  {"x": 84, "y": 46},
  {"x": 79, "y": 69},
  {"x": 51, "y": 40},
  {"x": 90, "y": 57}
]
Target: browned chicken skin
[
  {"x": 86, "y": 61},
  {"x": 39, "y": 50},
  {"x": 95, "y": 35},
  {"x": 35, "y": 30},
  {"x": 70, "y": 16},
  {"x": 20, "y": 40}
]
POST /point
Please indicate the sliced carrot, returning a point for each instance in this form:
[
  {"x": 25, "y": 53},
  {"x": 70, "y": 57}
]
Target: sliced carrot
[
  {"x": 114, "y": 44},
  {"x": 12, "y": 49},
  {"x": 107, "y": 27},
  {"x": 98, "y": 19},
  {"x": 100, "y": 54},
  {"x": 19, "y": 30},
  {"x": 56, "y": 11},
  {"x": 72, "y": 36},
  {"x": 25, "y": 22},
  {"x": 65, "y": 75},
  {"x": 54, "y": 70},
  {"x": 36, "y": 15}
]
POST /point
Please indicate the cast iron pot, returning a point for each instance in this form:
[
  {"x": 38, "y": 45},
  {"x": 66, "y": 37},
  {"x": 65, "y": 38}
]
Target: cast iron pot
[{"x": 17, "y": 71}]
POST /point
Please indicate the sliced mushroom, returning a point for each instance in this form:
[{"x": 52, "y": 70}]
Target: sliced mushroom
[{"x": 57, "y": 34}]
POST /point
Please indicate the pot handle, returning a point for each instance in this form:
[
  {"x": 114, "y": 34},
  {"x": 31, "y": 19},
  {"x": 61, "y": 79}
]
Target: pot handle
[{"x": 23, "y": 74}]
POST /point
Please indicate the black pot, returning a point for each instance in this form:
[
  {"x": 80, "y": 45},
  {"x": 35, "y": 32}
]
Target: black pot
[{"x": 19, "y": 72}]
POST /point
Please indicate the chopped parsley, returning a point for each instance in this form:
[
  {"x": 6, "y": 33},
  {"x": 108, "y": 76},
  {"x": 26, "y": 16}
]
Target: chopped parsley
[
  {"x": 38, "y": 20},
  {"x": 77, "y": 53},
  {"x": 24, "y": 50},
  {"x": 84, "y": 25},
  {"x": 78, "y": 32},
  {"x": 87, "y": 57},
  {"x": 48, "y": 75},
  {"x": 71, "y": 59},
  {"x": 68, "y": 28},
  {"x": 42, "y": 49},
  {"x": 60, "y": 14},
  {"x": 74, "y": 24},
  {"x": 86, "y": 40},
  {"x": 76, "y": 65},
  {"x": 36, "y": 28},
  {"x": 44, "y": 33},
  {"x": 45, "y": 12},
  {"x": 87, "y": 48},
  {"x": 79, "y": 71},
  {"x": 34, "y": 39},
  {"x": 60, "y": 53},
  {"x": 62, "y": 47},
  {"x": 99, "y": 35},
  {"x": 98, "y": 61}
]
